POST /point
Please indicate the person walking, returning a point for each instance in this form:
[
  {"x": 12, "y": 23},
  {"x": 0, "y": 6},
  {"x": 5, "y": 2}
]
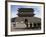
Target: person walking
[{"x": 26, "y": 23}]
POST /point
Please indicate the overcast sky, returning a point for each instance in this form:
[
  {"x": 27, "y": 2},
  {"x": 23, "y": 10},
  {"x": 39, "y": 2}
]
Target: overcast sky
[{"x": 14, "y": 8}]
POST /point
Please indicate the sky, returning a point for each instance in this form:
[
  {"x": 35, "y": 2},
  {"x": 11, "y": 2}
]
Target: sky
[{"x": 14, "y": 8}]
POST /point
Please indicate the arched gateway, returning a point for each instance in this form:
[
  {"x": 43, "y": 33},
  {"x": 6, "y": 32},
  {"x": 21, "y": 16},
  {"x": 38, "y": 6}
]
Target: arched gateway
[{"x": 26, "y": 17}]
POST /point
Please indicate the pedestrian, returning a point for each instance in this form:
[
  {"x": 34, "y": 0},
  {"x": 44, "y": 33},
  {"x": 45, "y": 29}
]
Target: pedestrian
[{"x": 26, "y": 23}]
